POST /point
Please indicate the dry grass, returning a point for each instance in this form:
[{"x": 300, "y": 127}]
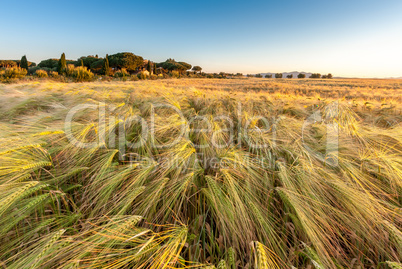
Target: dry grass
[{"x": 228, "y": 204}]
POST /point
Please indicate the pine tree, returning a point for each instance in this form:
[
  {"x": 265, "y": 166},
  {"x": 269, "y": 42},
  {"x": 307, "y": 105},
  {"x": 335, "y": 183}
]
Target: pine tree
[
  {"x": 106, "y": 68},
  {"x": 62, "y": 64},
  {"x": 24, "y": 62}
]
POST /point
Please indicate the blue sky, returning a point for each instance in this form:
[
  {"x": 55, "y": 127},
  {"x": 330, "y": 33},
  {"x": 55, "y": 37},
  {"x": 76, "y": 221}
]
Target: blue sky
[{"x": 353, "y": 38}]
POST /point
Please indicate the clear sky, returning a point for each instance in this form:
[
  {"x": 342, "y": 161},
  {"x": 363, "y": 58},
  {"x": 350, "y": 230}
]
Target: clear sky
[{"x": 354, "y": 38}]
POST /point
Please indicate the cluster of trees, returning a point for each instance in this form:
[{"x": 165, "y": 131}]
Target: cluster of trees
[
  {"x": 120, "y": 65},
  {"x": 97, "y": 65},
  {"x": 317, "y": 75},
  {"x": 300, "y": 75},
  {"x": 172, "y": 65},
  {"x": 17, "y": 63}
]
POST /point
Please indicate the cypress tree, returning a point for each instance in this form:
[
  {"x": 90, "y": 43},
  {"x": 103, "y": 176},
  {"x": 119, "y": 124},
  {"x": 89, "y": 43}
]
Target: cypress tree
[
  {"x": 106, "y": 68},
  {"x": 62, "y": 64},
  {"x": 155, "y": 69},
  {"x": 82, "y": 63},
  {"x": 24, "y": 62},
  {"x": 149, "y": 67}
]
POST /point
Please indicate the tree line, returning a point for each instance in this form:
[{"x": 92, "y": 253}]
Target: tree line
[
  {"x": 124, "y": 65},
  {"x": 300, "y": 75}
]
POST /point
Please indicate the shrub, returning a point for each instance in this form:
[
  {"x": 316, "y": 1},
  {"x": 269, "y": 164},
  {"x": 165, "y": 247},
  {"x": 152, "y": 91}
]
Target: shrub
[
  {"x": 68, "y": 71},
  {"x": 174, "y": 74},
  {"x": 278, "y": 75},
  {"x": 14, "y": 72},
  {"x": 41, "y": 73},
  {"x": 121, "y": 73},
  {"x": 53, "y": 74},
  {"x": 134, "y": 78},
  {"x": 301, "y": 75},
  {"x": 153, "y": 77},
  {"x": 315, "y": 75},
  {"x": 143, "y": 75},
  {"x": 81, "y": 73},
  {"x": 32, "y": 70},
  {"x": 268, "y": 76},
  {"x": 289, "y": 76}
]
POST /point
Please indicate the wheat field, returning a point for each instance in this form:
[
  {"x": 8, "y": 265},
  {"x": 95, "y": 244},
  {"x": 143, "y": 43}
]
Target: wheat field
[{"x": 201, "y": 173}]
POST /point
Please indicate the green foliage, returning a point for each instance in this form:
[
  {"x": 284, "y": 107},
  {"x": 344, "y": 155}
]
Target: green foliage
[
  {"x": 172, "y": 65},
  {"x": 91, "y": 62},
  {"x": 258, "y": 76},
  {"x": 41, "y": 73},
  {"x": 49, "y": 63},
  {"x": 289, "y": 76},
  {"x": 126, "y": 60},
  {"x": 197, "y": 69},
  {"x": 301, "y": 75},
  {"x": 105, "y": 67},
  {"x": 150, "y": 67},
  {"x": 268, "y": 76},
  {"x": 24, "y": 63},
  {"x": 121, "y": 73},
  {"x": 315, "y": 75},
  {"x": 278, "y": 75},
  {"x": 62, "y": 64}
]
